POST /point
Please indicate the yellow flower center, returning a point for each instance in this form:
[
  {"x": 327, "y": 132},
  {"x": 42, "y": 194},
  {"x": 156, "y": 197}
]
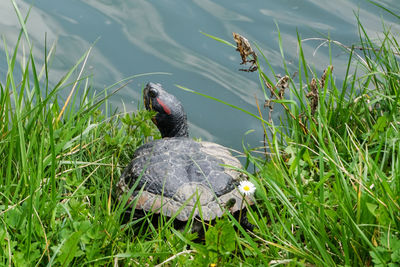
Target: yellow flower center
[{"x": 246, "y": 188}]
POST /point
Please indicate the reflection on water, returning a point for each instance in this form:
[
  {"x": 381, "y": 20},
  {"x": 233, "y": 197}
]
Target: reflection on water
[
  {"x": 142, "y": 36},
  {"x": 143, "y": 26}
]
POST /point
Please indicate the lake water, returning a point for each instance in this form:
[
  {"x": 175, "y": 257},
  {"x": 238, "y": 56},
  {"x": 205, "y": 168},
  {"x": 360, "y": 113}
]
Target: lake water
[{"x": 143, "y": 36}]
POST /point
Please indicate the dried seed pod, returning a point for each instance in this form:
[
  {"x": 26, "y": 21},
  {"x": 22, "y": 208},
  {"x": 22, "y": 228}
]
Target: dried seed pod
[{"x": 245, "y": 50}]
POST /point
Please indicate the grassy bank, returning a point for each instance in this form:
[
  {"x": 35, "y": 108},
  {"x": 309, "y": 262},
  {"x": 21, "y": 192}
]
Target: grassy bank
[{"x": 328, "y": 183}]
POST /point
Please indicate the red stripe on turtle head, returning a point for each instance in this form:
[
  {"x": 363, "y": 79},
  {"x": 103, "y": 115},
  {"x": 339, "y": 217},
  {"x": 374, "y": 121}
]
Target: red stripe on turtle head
[{"x": 164, "y": 106}]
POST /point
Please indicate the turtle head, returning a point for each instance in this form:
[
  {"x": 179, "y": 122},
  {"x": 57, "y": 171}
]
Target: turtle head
[{"x": 170, "y": 118}]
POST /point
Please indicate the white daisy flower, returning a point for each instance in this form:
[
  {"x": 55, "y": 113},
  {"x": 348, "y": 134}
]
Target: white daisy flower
[{"x": 247, "y": 188}]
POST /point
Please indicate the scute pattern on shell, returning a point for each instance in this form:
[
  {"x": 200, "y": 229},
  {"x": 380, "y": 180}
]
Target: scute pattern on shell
[{"x": 180, "y": 173}]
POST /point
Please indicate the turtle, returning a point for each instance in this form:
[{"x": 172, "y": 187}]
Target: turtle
[{"x": 176, "y": 175}]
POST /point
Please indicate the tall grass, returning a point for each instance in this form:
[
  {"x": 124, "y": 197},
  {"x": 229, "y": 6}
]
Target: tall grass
[
  {"x": 58, "y": 161},
  {"x": 330, "y": 191},
  {"x": 327, "y": 190}
]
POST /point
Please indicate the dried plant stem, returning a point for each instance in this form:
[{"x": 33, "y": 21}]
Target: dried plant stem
[{"x": 282, "y": 84}]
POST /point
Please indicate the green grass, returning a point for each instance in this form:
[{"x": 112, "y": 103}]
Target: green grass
[{"x": 328, "y": 185}]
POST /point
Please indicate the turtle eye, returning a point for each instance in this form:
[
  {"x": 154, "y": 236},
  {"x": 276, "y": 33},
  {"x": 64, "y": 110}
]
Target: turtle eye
[{"x": 153, "y": 93}]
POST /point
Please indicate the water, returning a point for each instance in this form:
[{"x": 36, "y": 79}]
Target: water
[{"x": 142, "y": 36}]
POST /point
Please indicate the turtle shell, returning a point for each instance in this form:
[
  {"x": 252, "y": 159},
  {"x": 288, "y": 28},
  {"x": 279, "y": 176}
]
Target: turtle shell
[{"x": 177, "y": 176}]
